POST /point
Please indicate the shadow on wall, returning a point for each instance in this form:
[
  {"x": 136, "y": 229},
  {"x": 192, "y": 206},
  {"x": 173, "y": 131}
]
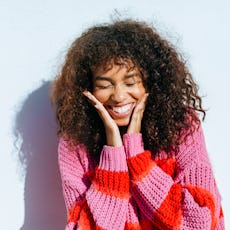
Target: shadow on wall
[{"x": 36, "y": 126}]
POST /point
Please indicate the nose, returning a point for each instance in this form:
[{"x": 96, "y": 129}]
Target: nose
[{"x": 119, "y": 94}]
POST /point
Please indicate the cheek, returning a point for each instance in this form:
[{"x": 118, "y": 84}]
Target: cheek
[
  {"x": 101, "y": 96},
  {"x": 138, "y": 92}
]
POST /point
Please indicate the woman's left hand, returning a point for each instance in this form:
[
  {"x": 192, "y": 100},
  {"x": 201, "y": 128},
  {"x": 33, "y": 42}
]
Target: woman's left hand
[{"x": 135, "y": 123}]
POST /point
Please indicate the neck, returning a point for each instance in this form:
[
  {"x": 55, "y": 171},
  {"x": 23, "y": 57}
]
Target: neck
[{"x": 123, "y": 130}]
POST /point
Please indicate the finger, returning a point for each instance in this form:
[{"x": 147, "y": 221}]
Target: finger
[
  {"x": 135, "y": 123},
  {"x": 91, "y": 97},
  {"x": 140, "y": 106},
  {"x": 99, "y": 106}
]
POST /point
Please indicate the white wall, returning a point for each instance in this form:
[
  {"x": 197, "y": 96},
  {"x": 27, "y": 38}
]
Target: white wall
[{"x": 33, "y": 40}]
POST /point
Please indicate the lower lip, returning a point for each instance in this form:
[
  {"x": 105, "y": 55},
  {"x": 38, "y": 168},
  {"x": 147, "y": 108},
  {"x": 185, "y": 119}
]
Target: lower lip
[{"x": 120, "y": 115}]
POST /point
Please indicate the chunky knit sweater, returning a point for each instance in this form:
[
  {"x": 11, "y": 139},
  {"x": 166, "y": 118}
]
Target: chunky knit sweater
[{"x": 130, "y": 189}]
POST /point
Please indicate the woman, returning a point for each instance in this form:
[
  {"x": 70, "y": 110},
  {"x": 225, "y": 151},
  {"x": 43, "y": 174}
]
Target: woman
[{"x": 132, "y": 153}]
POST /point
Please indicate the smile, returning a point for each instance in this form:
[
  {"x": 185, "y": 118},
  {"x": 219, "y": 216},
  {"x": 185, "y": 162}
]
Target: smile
[{"x": 121, "y": 111}]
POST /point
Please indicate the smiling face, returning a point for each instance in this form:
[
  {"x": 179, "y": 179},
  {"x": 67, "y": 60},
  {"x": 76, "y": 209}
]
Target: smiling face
[{"x": 119, "y": 90}]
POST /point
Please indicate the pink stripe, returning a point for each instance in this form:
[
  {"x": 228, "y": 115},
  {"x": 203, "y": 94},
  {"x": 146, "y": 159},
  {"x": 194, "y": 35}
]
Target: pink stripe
[
  {"x": 70, "y": 226},
  {"x": 113, "y": 159},
  {"x": 109, "y": 212},
  {"x": 133, "y": 144},
  {"x": 194, "y": 216},
  {"x": 132, "y": 212},
  {"x": 152, "y": 190}
]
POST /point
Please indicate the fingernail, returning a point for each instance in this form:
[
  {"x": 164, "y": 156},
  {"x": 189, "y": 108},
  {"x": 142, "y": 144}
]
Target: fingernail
[
  {"x": 146, "y": 95},
  {"x": 85, "y": 92}
]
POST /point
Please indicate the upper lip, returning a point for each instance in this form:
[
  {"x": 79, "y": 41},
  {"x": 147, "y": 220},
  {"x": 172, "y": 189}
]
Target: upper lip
[{"x": 111, "y": 106}]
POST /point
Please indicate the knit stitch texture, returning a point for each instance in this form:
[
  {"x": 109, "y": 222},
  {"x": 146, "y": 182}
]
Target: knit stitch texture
[{"x": 129, "y": 189}]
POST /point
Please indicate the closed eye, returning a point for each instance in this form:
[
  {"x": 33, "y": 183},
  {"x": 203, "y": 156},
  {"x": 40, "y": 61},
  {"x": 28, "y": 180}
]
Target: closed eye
[
  {"x": 104, "y": 86},
  {"x": 131, "y": 83}
]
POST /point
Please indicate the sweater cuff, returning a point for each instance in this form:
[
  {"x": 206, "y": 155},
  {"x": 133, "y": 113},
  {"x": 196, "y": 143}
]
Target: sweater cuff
[
  {"x": 113, "y": 159},
  {"x": 133, "y": 144}
]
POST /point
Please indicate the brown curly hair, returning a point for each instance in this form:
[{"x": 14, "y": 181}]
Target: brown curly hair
[{"x": 173, "y": 94}]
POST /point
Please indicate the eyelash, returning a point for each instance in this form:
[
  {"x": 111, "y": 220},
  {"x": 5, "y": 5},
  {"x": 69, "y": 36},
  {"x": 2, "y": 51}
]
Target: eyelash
[
  {"x": 108, "y": 86},
  {"x": 131, "y": 84},
  {"x": 103, "y": 87}
]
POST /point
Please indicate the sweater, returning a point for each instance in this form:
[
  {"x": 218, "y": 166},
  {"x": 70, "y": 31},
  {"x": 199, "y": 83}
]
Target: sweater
[{"x": 131, "y": 189}]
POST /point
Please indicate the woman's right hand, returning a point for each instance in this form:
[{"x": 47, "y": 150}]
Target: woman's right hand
[{"x": 113, "y": 135}]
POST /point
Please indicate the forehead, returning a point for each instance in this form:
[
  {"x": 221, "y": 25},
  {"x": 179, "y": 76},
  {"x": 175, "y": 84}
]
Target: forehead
[{"x": 114, "y": 64}]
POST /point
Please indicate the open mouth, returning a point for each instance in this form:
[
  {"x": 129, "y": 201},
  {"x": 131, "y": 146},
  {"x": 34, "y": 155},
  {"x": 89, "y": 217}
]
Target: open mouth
[{"x": 120, "y": 111}]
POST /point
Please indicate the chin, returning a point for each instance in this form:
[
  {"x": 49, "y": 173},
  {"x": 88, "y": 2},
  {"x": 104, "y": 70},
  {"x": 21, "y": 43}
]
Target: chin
[{"x": 122, "y": 122}]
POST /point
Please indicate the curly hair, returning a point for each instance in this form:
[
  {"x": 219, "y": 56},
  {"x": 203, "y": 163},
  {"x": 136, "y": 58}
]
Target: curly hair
[{"x": 173, "y": 94}]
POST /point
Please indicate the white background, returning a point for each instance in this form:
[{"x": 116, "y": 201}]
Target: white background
[{"x": 34, "y": 36}]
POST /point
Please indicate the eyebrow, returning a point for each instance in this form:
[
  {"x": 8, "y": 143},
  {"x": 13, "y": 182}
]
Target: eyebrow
[{"x": 103, "y": 78}]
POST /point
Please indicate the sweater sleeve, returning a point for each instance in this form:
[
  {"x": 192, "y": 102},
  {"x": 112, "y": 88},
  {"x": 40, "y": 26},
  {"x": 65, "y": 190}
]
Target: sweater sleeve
[
  {"x": 95, "y": 198},
  {"x": 182, "y": 194}
]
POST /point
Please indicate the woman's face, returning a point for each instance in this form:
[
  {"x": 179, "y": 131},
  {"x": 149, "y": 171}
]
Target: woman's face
[{"x": 119, "y": 90}]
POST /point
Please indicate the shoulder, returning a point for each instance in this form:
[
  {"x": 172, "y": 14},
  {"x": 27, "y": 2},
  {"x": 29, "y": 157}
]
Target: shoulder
[
  {"x": 192, "y": 149},
  {"x": 68, "y": 149},
  {"x": 74, "y": 157}
]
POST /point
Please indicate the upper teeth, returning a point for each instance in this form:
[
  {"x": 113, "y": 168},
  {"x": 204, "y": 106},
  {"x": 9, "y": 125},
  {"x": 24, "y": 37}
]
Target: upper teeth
[{"x": 122, "y": 109}]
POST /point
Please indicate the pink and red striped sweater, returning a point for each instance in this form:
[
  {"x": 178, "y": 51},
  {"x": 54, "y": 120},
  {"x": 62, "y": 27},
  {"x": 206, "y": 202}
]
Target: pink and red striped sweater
[{"x": 129, "y": 189}]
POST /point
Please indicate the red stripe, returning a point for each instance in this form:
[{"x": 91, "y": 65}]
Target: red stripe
[
  {"x": 81, "y": 215},
  {"x": 221, "y": 213},
  {"x": 132, "y": 226},
  {"x": 168, "y": 216},
  {"x": 112, "y": 183},
  {"x": 74, "y": 212},
  {"x": 168, "y": 166},
  {"x": 140, "y": 165}
]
